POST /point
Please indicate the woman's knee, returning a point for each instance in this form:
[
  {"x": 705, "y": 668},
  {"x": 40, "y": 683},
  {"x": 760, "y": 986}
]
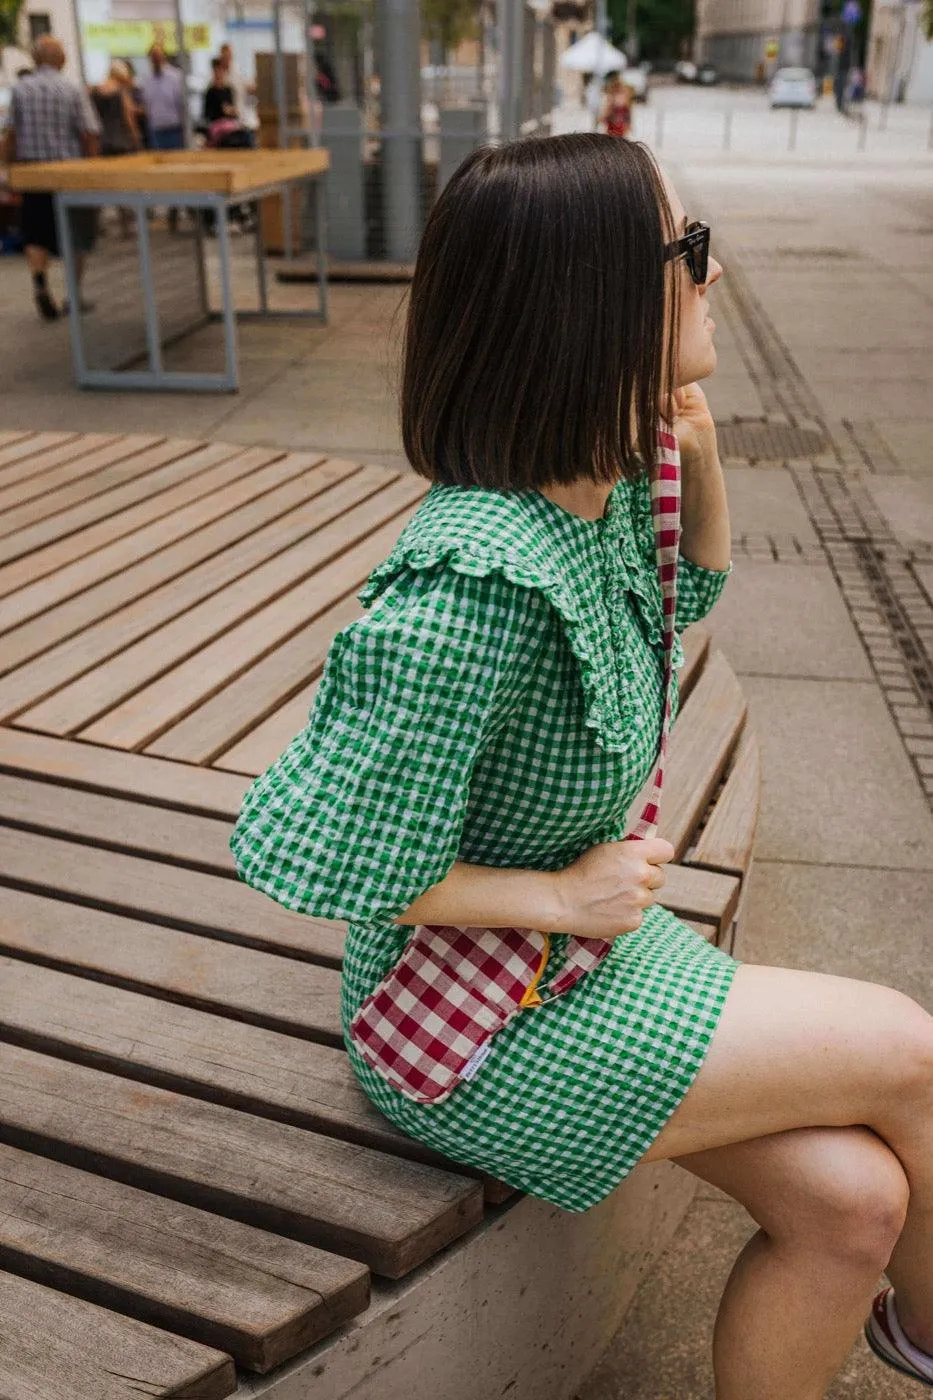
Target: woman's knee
[
  {"x": 841, "y": 1191},
  {"x": 856, "y": 1196}
]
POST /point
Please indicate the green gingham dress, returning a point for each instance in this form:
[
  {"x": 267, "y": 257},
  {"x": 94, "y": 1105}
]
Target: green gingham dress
[{"x": 500, "y": 703}]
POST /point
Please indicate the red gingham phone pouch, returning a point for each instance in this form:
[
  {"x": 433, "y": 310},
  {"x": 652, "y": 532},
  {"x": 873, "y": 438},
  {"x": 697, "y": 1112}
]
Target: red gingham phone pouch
[{"x": 429, "y": 1024}]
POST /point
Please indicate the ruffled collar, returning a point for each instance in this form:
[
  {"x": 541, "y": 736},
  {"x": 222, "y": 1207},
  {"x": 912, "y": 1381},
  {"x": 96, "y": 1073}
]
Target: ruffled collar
[{"x": 535, "y": 543}]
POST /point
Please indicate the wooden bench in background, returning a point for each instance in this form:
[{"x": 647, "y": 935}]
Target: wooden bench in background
[{"x": 195, "y": 1197}]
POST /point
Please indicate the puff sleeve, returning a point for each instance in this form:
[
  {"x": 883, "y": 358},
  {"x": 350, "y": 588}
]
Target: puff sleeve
[
  {"x": 364, "y": 810},
  {"x": 698, "y": 590}
]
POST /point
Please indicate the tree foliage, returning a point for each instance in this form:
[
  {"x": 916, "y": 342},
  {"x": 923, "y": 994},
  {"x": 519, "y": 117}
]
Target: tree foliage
[
  {"x": 927, "y": 16},
  {"x": 665, "y": 27},
  {"x": 448, "y": 21},
  {"x": 9, "y": 21}
]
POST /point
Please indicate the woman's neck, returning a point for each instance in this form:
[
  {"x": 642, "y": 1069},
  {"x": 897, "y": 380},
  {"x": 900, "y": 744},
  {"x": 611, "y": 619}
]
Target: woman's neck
[{"x": 584, "y": 498}]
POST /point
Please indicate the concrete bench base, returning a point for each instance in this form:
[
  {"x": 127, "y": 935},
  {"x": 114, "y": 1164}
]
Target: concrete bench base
[{"x": 523, "y": 1307}]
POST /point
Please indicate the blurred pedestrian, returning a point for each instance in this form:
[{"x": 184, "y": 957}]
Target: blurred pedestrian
[
  {"x": 615, "y": 116},
  {"x": 163, "y": 96},
  {"x": 118, "y": 125},
  {"x": 219, "y": 99},
  {"x": 50, "y": 118},
  {"x": 117, "y": 113},
  {"x": 243, "y": 90}
]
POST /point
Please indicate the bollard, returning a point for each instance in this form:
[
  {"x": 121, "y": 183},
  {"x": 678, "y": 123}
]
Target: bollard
[
  {"x": 862, "y": 130},
  {"x": 658, "y": 127},
  {"x": 727, "y": 130},
  {"x": 930, "y": 134},
  {"x": 792, "y": 131}
]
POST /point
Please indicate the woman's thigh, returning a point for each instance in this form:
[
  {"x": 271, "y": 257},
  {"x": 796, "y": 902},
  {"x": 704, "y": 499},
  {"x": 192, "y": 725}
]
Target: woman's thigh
[{"x": 802, "y": 1049}]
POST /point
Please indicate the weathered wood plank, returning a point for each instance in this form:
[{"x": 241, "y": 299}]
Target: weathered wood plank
[
  {"x": 119, "y": 823},
  {"x": 186, "y": 899},
  {"x": 124, "y": 460},
  {"x": 241, "y": 578},
  {"x": 217, "y": 463},
  {"x": 701, "y": 746},
  {"x": 386, "y": 1212},
  {"x": 100, "y": 508},
  {"x": 197, "y": 1053},
  {"x": 359, "y": 540},
  {"x": 260, "y": 1297},
  {"x": 9, "y": 436},
  {"x": 727, "y": 839},
  {"x": 53, "y": 1347},
  {"x": 101, "y": 582},
  {"x": 263, "y": 744},
  {"x": 15, "y": 446},
  {"x": 295, "y": 998},
  {"x": 75, "y": 764},
  {"x": 35, "y": 474},
  {"x": 692, "y": 899},
  {"x": 233, "y": 711}
]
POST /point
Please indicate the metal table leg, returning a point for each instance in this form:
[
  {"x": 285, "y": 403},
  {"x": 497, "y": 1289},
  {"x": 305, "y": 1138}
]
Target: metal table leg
[
  {"x": 320, "y": 238},
  {"x": 261, "y": 269},
  {"x": 66, "y": 248},
  {"x": 228, "y": 308}
]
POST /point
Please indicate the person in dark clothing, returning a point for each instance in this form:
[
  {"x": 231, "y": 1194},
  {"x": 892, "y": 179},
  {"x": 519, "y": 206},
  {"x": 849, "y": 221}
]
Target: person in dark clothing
[
  {"x": 219, "y": 101},
  {"x": 114, "y": 103}
]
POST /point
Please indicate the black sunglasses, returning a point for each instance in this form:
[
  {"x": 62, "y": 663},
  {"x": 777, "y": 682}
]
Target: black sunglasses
[{"x": 694, "y": 248}]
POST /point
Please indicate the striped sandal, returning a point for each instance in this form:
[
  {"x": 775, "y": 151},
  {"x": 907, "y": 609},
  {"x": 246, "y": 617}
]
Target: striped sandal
[{"x": 886, "y": 1338}]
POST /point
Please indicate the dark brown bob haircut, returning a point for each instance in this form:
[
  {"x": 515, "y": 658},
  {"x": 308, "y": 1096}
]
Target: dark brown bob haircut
[{"x": 535, "y": 349}]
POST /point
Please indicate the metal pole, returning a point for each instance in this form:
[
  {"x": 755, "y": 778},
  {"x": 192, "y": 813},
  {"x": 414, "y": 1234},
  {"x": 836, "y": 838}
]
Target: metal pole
[
  {"x": 184, "y": 63},
  {"x": 792, "y": 132},
  {"x": 153, "y": 342},
  {"x": 727, "y": 130},
  {"x": 228, "y": 310},
  {"x": 399, "y": 43},
  {"x": 307, "y": 19},
  {"x": 510, "y": 67},
  {"x": 862, "y": 130}
]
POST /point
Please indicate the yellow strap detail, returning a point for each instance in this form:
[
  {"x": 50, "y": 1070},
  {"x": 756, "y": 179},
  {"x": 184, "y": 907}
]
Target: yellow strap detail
[{"x": 531, "y": 997}]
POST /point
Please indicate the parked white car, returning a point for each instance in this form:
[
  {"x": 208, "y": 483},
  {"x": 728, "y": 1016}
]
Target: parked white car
[{"x": 793, "y": 87}]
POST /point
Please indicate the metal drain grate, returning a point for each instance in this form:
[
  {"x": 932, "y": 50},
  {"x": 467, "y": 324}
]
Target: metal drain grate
[{"x": 768, "y": 441}]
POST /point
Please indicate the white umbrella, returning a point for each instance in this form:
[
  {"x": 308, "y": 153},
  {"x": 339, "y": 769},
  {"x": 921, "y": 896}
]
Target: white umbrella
[{"x": 593, "y": 54}]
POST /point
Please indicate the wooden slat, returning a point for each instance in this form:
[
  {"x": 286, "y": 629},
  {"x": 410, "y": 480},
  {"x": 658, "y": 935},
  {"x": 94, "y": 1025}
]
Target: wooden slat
[
  {"x": 195, "y": 1052},
  {"x": 261, "y": 989},
  {"x": 215, "y": 464},
  {"x": 181, "y": 837},
  {"x": 186, "y": 899},
  {"x": 386, "y": 1212},
  {"x": 233, "y": 711},
  {"x": 101, "y": 582},
  {"x": 711, "y": 900},
  {"x": 124, "y": 460},
  {"x": 230, "y": 1286},
  {"x": 262, "y": 745},
  {"x": 76, "y": 764},
  {"x": 32, "y": 475},
  {"x": 696, "y": 641},
  {"x": 216, "y": 594},
  {"x": 104, "y": 507},
  {"x": 8, "y": 436},
  {"x": 727, "y": 839},
  {"x": 143, "y": 715},
  {"x": 15, "y": 446},
  {"x": 700, "y": 749},
  {"x": 53, "y": 1347}
]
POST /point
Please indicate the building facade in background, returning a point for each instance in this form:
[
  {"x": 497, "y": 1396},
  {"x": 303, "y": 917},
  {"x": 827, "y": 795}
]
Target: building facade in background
[
  {"x": 900, "y": 57},
  {"x": 748, "y": 39}
]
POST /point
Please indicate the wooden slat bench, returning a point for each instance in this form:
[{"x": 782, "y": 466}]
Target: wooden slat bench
[{"x": 195, "y": 1197}]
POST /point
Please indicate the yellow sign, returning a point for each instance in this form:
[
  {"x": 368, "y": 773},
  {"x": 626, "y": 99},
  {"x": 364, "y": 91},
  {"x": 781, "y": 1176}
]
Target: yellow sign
[
  {"x": 772, "y": 48},
  {"x": 133, "y": 38}
]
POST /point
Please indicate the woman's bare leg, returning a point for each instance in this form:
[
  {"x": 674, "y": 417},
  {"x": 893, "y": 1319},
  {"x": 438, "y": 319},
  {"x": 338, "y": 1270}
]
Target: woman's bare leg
[
  {"x": 831, "y": 1203},
  {"x": 801, "y": 1050}
]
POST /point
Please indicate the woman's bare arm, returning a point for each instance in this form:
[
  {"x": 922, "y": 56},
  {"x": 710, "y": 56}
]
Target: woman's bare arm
[{"x": 485, "y": 896}]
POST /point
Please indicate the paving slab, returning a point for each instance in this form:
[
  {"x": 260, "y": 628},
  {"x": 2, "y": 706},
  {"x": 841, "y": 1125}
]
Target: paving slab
[
  {"x": 767, "y": 501},
  {"x": 787, "y": 620},
  {"x": 886, "y": 398},
  {"x": 870, "y": 924},
  {"x": 907, "y": 504},
  {"x": 733, "y": 395},
  {"x": 910, "y": 442},
  {"x": 838, "y": 787}
]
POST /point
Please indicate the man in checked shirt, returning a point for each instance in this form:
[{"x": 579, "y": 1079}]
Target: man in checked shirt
[{"x": 50, "y": 119}]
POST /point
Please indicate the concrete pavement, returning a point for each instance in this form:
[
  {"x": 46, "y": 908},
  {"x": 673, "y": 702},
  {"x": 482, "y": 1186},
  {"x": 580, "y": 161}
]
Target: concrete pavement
[{"x": 825, "y": 336}]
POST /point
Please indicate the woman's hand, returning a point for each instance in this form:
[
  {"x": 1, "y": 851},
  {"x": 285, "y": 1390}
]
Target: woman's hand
[
  {"x": 693, "y": 426},
  {"x": 605, "y": 892}
]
